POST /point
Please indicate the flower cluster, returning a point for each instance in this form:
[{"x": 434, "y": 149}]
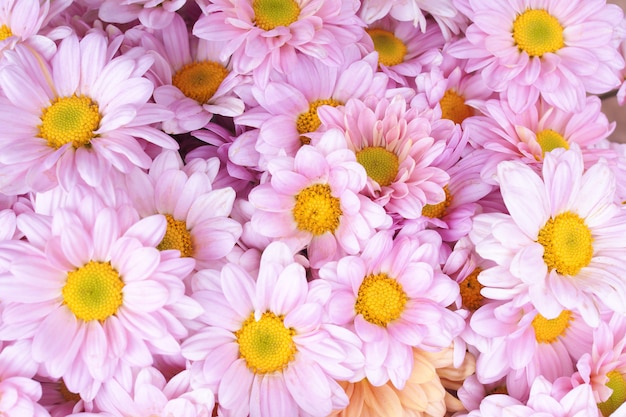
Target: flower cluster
[{"x": 278, "y": 208}]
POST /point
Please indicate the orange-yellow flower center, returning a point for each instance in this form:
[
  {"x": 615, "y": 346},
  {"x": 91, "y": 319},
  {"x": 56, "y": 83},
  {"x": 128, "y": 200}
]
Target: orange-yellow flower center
[
  {"x": 199, "y": 80},
  {"x": 437, "y": 211},
  {"x": 453, "y": 107},
  {"x": 266, "y": 345},
  {"x": 391, "y": 50},
  {"x": 69, "y": 120},
  {"x": 470, "y": 291},
  {"x": 548, "y": 330},
  {"x": 316, "y": 210},
  {"x": 93, "y": 291},
  {"x": 380, "y": 299},
  {"x": 549, "y": 140},
  {"x": 68, "y": 395},
  {"x": 309, "y": 121},
  {"x": 177, "y": 237},
  {"x": 567, "y": 243},
  {"x": 536, "y": 32},
  {"x": 618, "y": 397},
  {"x": 5, "y": 32},
  {"x": 269, "y": 14},
  {"x": 380, "y": 164}
]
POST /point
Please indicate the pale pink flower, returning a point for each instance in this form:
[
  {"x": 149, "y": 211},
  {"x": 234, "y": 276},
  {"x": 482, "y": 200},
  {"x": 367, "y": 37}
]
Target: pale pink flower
[
  {"x": 560, "y": 245},
  {"x": 449, "y": 20},
  {"x": 556, "y": 49},
  {"x": 527, "y": 136},
  {"x": 396, "y": 147},
  {"x": 198, "y": 223},
  {"x": 313, "y": 201},
  {"x": 394, "y": 297},
  {"x": 94, "y": 296},
  {"x": 191, "y": 79},
  {"x": 543, "y": 401},
  {"x": 403, "y": 52},
  {"x": 264, "y": 347},
  {"x": 287, "y": 112},
  {"x": 76, "y": 119},
  {"x": 262, "y": 40},
  {"x": 154, "y": 14}
]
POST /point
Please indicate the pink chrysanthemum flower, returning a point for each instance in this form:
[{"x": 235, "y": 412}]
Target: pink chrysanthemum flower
[
  {"x": 93, "y": 296},
  {"x": 267, "y": 35},
  {"x": 560, "y": 245},
  {"x": 395, "y": 146},
  {"x": 265, "y": 348},
  {"x": 416, "y": 11},
  {"x": 527, "y": 136},
  {"x": 403, "y": 52},
  {"x": 146, "y": 393},
  {"x": 314, "y": 201},
  {"x": 287, "y": 110},
  {"x": 521, "y": 344},
  {"x": 395, "y": 297},
  {"x": 543, "y": 401},
  {"x": 198, "y": 223},
  {"x": 558, "y": 49},
  {"x": 191, "y": 79},
  {"x": 153, "y": 14},
  {"x": 77, "y": 118}
]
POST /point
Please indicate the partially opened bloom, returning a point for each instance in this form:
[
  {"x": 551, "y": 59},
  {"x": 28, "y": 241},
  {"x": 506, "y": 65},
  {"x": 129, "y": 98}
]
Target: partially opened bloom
[
  {"x": 264, "y": 347},
  {"x": 557, "y": 49},
  {"x": 394, "y": 143},
  {"x": 395, "y": 297},
  {"x": 77, "y": 118},
  {"x": 314, "y": 201},
  {"x": 561, "y": 245},
  {"x": 265, "y": 36},
  {"x": 154, "y": 14},
  {"x": 93, "y": 296},
  {"x": 191, "y": 79}
]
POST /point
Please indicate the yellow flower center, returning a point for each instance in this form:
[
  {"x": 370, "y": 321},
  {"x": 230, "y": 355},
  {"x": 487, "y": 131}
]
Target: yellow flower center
[
  {"x": 500, "y": 389},
  {"x": 69, "y": 119},
  {"x": 199, "y": 80},
  {"x": 548, "y": 330},
  {"x": 537, "y": 32},
  {"x": 380, "y": 299},
  {"x": 177, "y": 237},
  {"x": 309, "y": 121},
  {"x": 391, "y": 50},
  {"x": 618, "y": 397},
  {"x": 93, "y": 291},
  {"x": 437, "y": 211},
  {"x": 266, "y": 345},
  {"x": 380, "y": 164},
  {"x": 269, "y": 14},
  {"x": 5, "y": 32},
  {"x": 567, "y": 243},
  {"x": 316, "y": 210},
  {"x": 453, "y": 107},
  {"x": 549, "y": 140},
  {"x": 470, "y": 291}
]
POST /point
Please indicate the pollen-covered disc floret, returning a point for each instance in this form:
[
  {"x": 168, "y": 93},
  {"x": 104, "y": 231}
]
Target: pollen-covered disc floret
[
  {"x": 537, "y": 32},
  {"x": 550, "y": 139},
  {"x": 269, "y": 14},
  {"x": 453, "y": 107},
  {"x": 266, "y": 344},
  {"x": 200, "y": 80},
  {"x": 617, "y": 383},
  {"x": 69, "y": 120},
  {"x": 5, "y": 32},
  {"x": 380, "y": 299},
  {"x": 391, "y": 50},
  {"x": 548, "y": 330},
  {"x": 567, "y": 242},
  {"x": 93, "y": 291},
  {"x": 309, "y": 121},
  {"x": 316, "y": 210},
  {"x": 177, "y": 237},
  {"x": 380, "y": 164}
]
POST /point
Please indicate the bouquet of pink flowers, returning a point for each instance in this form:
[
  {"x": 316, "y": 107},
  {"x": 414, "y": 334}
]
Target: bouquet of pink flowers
[{"x": 281, "y": 208}]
